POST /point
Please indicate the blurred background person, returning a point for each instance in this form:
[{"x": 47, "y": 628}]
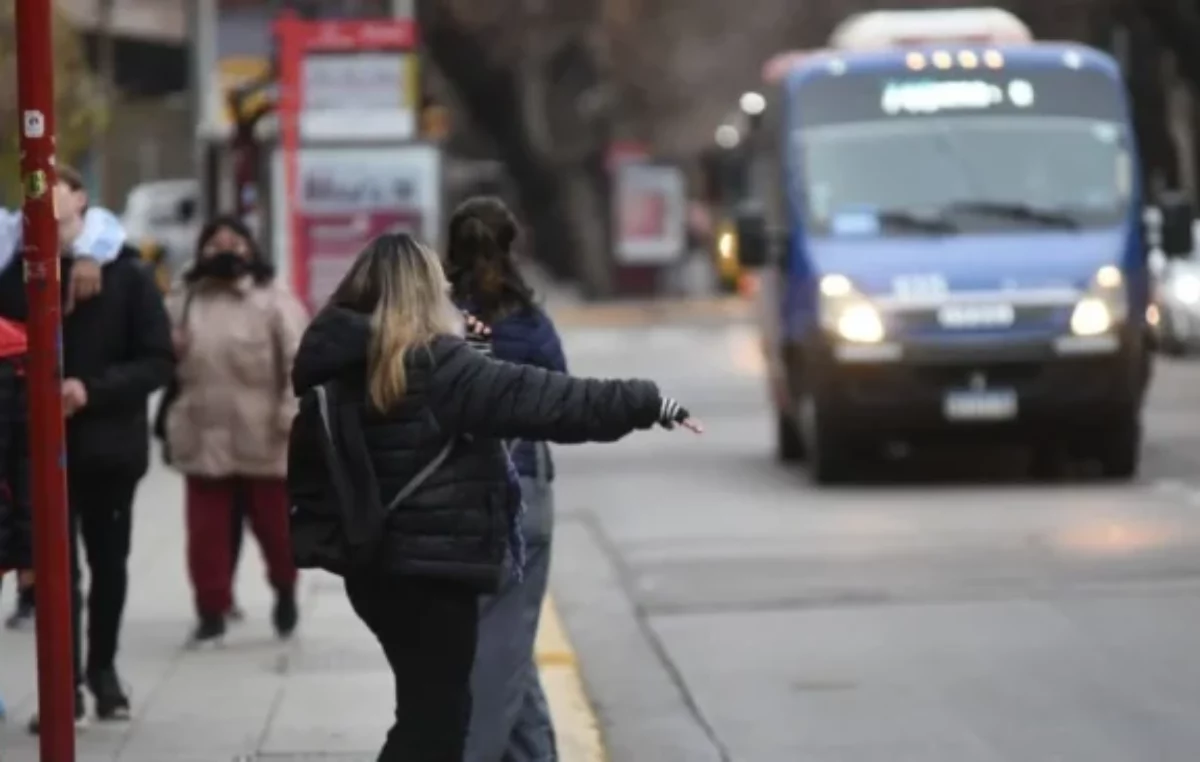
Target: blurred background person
[
  {"x": 510, "y": 718},
  {"x": 116, "y": 353},
  {"x": 98, "y": 239},
  {"x": 235, "y": 329}
]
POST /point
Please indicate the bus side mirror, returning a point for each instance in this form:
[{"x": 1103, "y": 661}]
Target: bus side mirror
[
  {"x": 1177, "y": 221},
  {"x": 753, "y": 240}
]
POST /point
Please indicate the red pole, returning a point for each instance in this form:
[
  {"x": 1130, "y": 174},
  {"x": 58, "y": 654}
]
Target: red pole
[{"x": 35, "y": 96}]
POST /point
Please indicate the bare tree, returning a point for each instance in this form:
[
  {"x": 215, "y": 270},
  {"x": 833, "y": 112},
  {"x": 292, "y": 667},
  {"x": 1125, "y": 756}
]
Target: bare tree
[{"x": 77, "y": 106}]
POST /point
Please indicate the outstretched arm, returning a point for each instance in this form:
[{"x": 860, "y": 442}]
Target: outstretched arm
[{"x": 474, "y": 394}]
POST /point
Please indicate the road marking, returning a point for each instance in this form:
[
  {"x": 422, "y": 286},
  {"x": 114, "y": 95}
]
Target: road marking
[{"x": 575, "y": 722}]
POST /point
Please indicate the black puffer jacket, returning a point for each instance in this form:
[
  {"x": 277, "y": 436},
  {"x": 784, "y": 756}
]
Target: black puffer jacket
[
  {"x": 456, "y": 525},
  {"x": 15, "y": 535},
  {"x": 118, "y": 343}
]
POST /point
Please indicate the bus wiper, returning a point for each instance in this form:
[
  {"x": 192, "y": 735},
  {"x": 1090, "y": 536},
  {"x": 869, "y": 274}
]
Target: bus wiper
[
  {"x": 1051, "y": 218},
  {"x": 899, "y": 218}
]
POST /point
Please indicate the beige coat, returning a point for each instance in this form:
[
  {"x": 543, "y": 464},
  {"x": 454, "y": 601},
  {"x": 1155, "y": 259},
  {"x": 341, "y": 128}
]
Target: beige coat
[{"x": 235, "y": 405}]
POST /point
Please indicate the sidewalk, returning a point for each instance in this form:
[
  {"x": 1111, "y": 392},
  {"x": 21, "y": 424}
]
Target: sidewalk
[{"x": 327, "y": 695}]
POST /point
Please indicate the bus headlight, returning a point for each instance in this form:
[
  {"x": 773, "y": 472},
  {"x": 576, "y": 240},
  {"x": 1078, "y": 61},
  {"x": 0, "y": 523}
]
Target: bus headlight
[
  {"x": 861, "y": 324},
  {"x": 1091, "y": 318},
  {"x": 847, "y": 313},
  {"x": 1104, "y": 306}
]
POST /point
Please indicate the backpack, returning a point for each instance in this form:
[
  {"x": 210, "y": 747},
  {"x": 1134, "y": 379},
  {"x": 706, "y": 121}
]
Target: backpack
[{"x": 337, "y": 517}]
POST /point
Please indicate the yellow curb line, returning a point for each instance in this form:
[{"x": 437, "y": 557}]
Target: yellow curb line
[{"x": 575, "y": 721}]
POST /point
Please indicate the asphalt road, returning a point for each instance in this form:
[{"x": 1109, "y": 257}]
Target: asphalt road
[{"x": 950, "y": 611}]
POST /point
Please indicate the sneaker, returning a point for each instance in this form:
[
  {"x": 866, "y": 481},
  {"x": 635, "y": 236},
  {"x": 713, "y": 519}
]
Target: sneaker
[
  {"x": 235, "y": 614},
  {"x": 211, "y": 629},
  {"x": 286, "y": 615},
  {"x": 112, "y": 704},
  {"x": 23, "y": 618},
  {"x": 81, "y": 717}
]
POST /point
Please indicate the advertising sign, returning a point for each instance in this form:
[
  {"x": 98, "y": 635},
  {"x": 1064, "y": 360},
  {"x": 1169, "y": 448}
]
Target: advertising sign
[
  {"x": 348, "y": 196},
  {"x": 651, "y": 214},
  {"x": 370, "y": 94}
]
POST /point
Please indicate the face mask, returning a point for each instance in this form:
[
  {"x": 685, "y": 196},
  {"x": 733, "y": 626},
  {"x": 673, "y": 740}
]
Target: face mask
[{"x": 224, "y": 265}]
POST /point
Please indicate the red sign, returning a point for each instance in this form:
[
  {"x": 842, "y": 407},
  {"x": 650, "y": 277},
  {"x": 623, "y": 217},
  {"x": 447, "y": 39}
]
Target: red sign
[
  {"x": 346, "y": 35},
  {"x": 643, "y": 215},
  {"x": 330, "y": 242},
  {"x": 320, "y": 237}
]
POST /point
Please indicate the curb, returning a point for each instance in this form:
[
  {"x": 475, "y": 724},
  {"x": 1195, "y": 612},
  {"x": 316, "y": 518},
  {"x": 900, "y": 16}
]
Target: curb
[
  {"x": 575, "y": 722},
  {"x": 724, "y": 309}
]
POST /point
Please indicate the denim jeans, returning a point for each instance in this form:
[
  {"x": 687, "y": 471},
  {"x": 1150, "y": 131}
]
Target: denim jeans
[{"x": 510, "y": 719}]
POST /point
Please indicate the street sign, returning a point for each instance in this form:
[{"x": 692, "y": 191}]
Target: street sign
[{"x": 343, "y": 84}]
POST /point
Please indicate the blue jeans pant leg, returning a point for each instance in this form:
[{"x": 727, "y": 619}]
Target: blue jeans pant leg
[
  {"x": 532, "y": 737},
  {"x": 510, "y": 720}
]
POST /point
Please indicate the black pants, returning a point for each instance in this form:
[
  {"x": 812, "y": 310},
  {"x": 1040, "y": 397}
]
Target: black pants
[
  {"x": 427, "y": 629},
  {"x": 102, "y": 516}
]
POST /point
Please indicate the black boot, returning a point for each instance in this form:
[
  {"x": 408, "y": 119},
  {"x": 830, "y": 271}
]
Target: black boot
[
  {"x": 22, "y": 617},
  {"x": 286, "y": 615},
  {"x": 111, "y": 702},
  {"x": 211, "y": 629},
  {"x": 81, "y": 719}
]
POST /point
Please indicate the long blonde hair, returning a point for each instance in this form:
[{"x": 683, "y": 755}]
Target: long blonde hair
[{"x": 400, "y": 283}]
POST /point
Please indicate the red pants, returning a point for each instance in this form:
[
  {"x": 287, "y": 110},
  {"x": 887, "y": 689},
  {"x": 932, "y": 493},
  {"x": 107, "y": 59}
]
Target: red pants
[{"x": 210, "y": 507}]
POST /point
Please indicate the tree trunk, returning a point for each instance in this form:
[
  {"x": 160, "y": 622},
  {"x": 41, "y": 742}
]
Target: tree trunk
[
  {"x": 1177, "y": 25},
  {"x": 492, "y": 94},
  {"x": 1145, "y": 74}
]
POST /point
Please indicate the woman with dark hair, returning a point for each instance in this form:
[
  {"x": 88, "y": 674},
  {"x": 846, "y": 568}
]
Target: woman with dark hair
[
  {"x": 236, "y": 331},
  {"x": 510, "y": 718}
]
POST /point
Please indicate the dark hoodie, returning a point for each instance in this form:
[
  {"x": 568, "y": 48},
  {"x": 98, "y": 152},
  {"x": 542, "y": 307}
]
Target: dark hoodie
[
  {"x": 528, "y": 337},
  {"x": 456, "y": 524}
]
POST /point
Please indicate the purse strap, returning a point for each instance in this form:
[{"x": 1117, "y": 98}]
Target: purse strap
[{"x": 413, "y": 484}]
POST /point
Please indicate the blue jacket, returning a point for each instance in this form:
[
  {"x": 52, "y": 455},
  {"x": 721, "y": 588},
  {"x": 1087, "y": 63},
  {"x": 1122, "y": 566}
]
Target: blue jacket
[{"x": 528, "y": 337}]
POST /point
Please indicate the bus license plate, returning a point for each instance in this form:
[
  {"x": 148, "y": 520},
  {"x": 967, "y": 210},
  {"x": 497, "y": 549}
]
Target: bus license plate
[{"x": 989, "y": 405}]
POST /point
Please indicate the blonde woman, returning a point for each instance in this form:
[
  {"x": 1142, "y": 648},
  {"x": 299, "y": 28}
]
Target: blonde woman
[
  {"x": 228, "y": 415},
  {"x": 390, "y": 339}
]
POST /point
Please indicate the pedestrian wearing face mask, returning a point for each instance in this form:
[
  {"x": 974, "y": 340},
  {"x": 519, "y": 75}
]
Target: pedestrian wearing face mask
[
  {"x": 227, "y": 417},
  {"x": 116, "y": 351}
]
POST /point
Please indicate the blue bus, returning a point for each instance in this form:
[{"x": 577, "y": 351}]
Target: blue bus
[{"x": 951, "y": 244}]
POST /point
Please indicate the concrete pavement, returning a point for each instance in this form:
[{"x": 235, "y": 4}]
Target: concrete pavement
[
  {"x": 327, "y": 695},
  {"x": 948, "y": 611}
]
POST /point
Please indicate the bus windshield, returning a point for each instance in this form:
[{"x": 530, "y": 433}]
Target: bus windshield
[{"x": 977, "y": 152}]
